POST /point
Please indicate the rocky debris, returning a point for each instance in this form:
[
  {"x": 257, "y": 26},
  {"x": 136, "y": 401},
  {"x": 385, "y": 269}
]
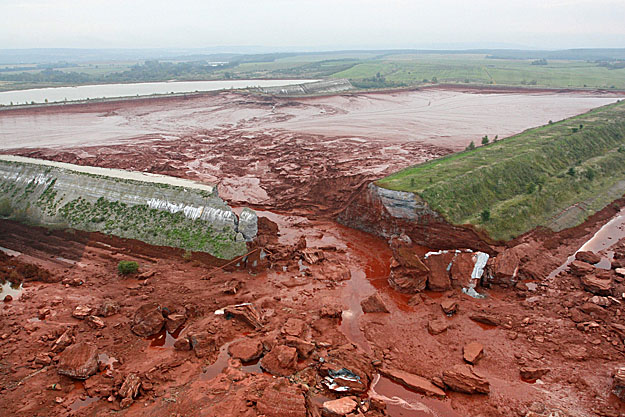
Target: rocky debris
[
  {"x": 246, "y": 349},
  {"x": 246, "y": 313},
  {"x": 43, "y": 359},
  {"x": 231, "y": 287},
  {"x": 202, "y": 343},
  {"x": 147, "y": 274},
  {"x": 72, "y": 282},
  {"x": 339, "y": 407},
  {"x": 182, "y": 344},
  {"x": 408, "y": 273},
  {"x": 485, "y": 319},
  {"x": 505, "y": 267},
  {"x": 412, "y": 381},
  {"x": 95, "y": 322},
  {"x": 294, "y": 327},
  {"x": 79, "y": 361},
  {"x": 108, "y": 308},
  {"x": 312, "y": 256},
  {"x": 7, "y": 298},
  {"x": 304, "y": 348},
  {"x": 462, "y": 378},
  {"x": 472, "y": 352},
  {"x": 618, "y": 384},
  {"x": 373, "y": 304},
  {"x": 580, "y": 269},
  {"x": 439, "y": 266},
  {"x": 130, "y": 387},
  {"x": 347, "y": 371},
  {"x": 280, "y": 361},
  {"x": 620, "y": 271},
  {"x": 449, "y": 306},
  {"x": 66, "y": 339},
  {"x": 81, "y": 312},
  {"x": 437, "y": 326},
  {"x": 331, "y": 311},
  {"x": 174, "y": 321},
  {"x": 532, "y": 374},
  {"x": 588, "y": 257},
  {"x": 596, "y": 285},
  {"x": 576, "y": 353},
  {"x": 148, "y": 320},
  {"x": 281, "y": 399}
]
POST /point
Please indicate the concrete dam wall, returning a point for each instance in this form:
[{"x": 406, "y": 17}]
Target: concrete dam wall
[{"x": 155, "y": 209}]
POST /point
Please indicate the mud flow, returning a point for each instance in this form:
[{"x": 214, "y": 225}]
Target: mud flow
[{"x": 307, "y": 323}]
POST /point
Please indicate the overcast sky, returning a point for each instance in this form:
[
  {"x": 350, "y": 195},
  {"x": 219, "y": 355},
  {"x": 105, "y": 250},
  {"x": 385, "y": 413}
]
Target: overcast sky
[{"x": 312, "y": 24}]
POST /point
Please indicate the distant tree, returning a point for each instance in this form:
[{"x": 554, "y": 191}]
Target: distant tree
[
  {"x": 46, "y": 100},
  {"x": 531, "y": 187},
  {"x": 571, "y": 172},
  {"x": 590, "y": 174},
  {"x": 412, "y": 182},
  {"x": 550, "y": 122},
  {"x": 471, "y": 146},
  {"x": 581, "y": 127},
  {"x": 434, "y": 80},
  {"x": 485, "y": 215},
  {"x": 485, "y": 140}
]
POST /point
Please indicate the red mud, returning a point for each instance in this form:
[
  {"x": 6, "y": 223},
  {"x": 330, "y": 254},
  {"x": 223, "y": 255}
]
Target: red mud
[{"x": 302, "y": 178}]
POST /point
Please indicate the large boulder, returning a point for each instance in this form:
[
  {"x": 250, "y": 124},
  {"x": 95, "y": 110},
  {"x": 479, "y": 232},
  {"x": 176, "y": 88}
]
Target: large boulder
[
  {"x": 148, "y": 320},
  {"x": 588, "y": 257},
  {"x": 408, "y": 272},
  {"x": 79, "y": 361},
  {"x": 280, "y": 361},
  {"x": 597, "y": 285},
  {"x": 246, "y": 350},
  {"x": 373, "y": 304},
  {"x": 580, "y": 269},
  {"x": 506, "y": 267},
  {"x": 439, "y": 265},
  {"x": 461, "y": 270},
  {"x": 462, "y": 378}
]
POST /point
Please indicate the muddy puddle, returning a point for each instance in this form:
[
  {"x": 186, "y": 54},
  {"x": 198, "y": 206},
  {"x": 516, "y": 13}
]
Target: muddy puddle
[
  {"x": 165, "y": 339},
  {"x": 222, "y": 362},
  {"x": 605, "y": 238}
]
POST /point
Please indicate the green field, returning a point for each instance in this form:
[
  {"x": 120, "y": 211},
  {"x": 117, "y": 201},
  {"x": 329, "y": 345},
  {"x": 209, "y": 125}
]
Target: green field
[
  {"x": 555, "y": 176},
  {"x": 598, "y": 68}
]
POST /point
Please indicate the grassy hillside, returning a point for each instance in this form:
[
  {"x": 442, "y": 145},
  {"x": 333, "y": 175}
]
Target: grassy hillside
[{"x": 555, "y": 176}]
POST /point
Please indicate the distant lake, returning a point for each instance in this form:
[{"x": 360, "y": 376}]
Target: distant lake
[{"x": 83, "y": 92}]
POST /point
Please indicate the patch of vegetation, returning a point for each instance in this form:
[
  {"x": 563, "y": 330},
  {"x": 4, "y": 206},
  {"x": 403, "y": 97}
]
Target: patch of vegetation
[
  {"x": 6, "y": 208},
  {"x": 127, "y": 267},
  {"x": 529, "y": 179}
]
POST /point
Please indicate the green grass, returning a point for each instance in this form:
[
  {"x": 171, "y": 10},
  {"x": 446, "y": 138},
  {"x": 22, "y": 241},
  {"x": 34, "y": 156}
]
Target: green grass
[{"x": 525, "y": 181}]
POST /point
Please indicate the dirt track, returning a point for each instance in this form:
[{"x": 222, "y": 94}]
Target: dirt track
[{"x": 304, "y": 178}]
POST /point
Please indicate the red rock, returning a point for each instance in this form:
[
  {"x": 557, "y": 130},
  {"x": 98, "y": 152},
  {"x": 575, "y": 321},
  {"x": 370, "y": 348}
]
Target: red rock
[
  {"x": 82, "y": 312},
  {"x": 461, "y": 269},
  {"x": 246, "y": 349},
  {"x": 130, "y": 387},
  {"x": 339, "y": 407},
  {"x": 597, "y": 285},
  {"x": 588, "y": 257},
  {"x": 304, "y": 348},
  {"x": 281, "y": 399},
  {"x": 126, "y": 402},
  {"x": 485, "y": 319},
  {"x": 246, "y": 313},
  {"x": 108, "y": 308},
  {"x": 174, "y": 321},
  {"x": 506, "y": 267},
  {"x": 408, "y": 272},
  {"x": 449, "y": 306},
  {"x": 580, "y": 269},
  {"x": 414, "y": 382},
  {"x": 472, "y": 352},
  {"x": 8, "y": 298},
  {"x": 79, "y": 361},
  {"x": 96, "y": 322},
  {"x": 373, "y": 304},
  {"x": 148, "y": 320},
  {"x": 437, "y": 326},
  {"x": 294, "y": 327},
  {"x": 280, "y": 361},
  {"x": 182, "y": 344},
  {"x": 462, "y": 378},
  {"x": 202, "y": 343},
  {"x": 439, "y": 266},
  {"x": 43, "y": 359},
  {"x": 532, "y": 374},
  {"x": 331, "y": 311},
  {"x": 66, "y": 339}
]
